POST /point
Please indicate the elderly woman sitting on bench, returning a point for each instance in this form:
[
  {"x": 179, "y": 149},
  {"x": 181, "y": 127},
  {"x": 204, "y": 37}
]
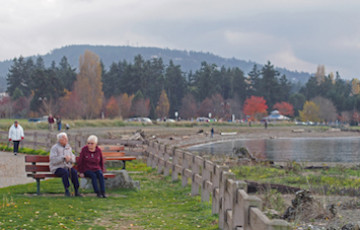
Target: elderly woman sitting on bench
[{"x": 91, "y": 164}]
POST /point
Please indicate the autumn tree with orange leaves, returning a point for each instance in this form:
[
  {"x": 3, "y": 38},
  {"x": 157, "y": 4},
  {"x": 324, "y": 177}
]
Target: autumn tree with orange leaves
[
  {"x": 70, "y": 105},
  {"x": 125, "y": 102},
  {"x": 88, "y": 85},
  {"x": 284, "y": 108},
  {"x": 255, "y": 107},
  {"x": 163, "y": 106},
  {"x": 140, "y": 106},
  {"x": 188, "y": 106},
  {"x": 112, "y": 108}
]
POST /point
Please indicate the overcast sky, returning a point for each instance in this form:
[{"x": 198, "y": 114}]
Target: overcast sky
[{"x": 295, "y": 34}]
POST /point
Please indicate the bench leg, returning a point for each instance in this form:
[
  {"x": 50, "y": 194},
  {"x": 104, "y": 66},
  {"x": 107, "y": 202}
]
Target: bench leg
[
  {"x": 38, "y": 186},
  {"x": 124, "y": 164}
]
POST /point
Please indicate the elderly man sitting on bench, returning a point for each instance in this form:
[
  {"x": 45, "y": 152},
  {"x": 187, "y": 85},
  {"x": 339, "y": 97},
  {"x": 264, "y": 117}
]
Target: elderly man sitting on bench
[{"x": 61, "y": 161}]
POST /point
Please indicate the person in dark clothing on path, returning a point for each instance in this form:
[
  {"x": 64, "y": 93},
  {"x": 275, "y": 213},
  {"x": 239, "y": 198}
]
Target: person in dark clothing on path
[
  {"x": 58, "y": 122},
  {"x": 51, "y": 122}
]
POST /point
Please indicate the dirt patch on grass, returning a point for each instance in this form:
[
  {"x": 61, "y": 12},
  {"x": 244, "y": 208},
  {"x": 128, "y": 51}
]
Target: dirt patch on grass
[{"x": 121, "y": 222}]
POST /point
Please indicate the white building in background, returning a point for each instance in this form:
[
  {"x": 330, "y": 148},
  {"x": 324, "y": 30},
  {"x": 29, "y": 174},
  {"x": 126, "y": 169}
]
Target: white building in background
[
  {"x": 276, "y": 116},
  {"x": 3, "y": 94}
]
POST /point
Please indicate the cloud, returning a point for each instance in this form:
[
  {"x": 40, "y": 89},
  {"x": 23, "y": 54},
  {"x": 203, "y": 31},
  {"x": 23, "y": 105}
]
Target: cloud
[
  {"x": 287, "y": 59},
  {"x": 300, "y": 33}
]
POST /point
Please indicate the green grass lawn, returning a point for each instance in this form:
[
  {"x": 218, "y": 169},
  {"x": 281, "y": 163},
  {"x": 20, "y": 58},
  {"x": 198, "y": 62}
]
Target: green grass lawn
[
  {"x": 159, "y": 204},
  {"x": 339, "y": 177}
]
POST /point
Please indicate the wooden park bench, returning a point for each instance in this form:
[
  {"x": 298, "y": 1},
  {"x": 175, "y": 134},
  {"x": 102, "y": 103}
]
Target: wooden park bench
[
  {"x": 37, "y": 167},
  {"x": 114, "y": 153}
]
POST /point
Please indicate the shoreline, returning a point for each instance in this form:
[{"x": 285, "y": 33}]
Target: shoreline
[
  {"x": 198, "y": 139},
  {"x": 190, "y": 138}
]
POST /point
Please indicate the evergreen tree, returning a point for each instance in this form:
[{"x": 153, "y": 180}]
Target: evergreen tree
[
  {"x": 226, "y": 78},
  {"x": 253, "y": 87},
  {"x": 269, "y": 86},
  {"x": 238, "y": 85},
  {"x": 66, "y": 74},
  {"x": 175, "y": 86},
  {"x": 110, "y": 81},
  {"x": 19, "y": 77},
  {"x": 297, "y": 100},
  {"x": 204, "y": 85},
  {"x": 153, "y": 82},
  {"x": 47, "y": 89}
]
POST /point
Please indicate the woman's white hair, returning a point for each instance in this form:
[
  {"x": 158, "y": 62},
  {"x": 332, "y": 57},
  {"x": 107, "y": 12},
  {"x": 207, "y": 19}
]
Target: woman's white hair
[
  {"x": 61, "y": 135},
  {"x": 93, "y": 138}
]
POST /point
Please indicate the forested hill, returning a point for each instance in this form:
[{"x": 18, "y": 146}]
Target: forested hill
[{"x": 188, "y": 60}]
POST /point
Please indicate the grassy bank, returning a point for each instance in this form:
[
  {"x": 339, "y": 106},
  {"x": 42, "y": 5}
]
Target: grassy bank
[
  {"x": 6, "y": 123},
  {"x": 298, "y": 176},
  {"x": 159, "y": 204}
]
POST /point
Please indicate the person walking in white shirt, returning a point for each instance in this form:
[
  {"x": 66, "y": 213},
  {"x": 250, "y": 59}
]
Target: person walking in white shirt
[{"x": 16, "y": 134}]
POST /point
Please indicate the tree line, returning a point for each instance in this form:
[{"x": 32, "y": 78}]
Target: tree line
[{"x": 158, "y": 90}]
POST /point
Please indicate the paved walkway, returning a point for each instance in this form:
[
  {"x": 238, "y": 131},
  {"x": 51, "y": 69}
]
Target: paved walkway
[{"x": 12, "y": 170}]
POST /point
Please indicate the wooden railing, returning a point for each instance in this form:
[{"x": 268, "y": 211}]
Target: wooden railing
[{"x": 236, "y": 209}]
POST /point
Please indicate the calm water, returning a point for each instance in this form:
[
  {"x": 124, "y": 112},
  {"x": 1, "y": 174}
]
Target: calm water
[{"x": 342, "y": 149}]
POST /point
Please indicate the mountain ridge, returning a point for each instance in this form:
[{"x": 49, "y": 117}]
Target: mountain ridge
[{"x": 188, "y": 60}]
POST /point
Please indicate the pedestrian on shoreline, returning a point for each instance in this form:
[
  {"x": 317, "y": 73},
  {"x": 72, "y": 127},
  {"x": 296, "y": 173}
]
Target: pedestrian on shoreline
[
  {"x": 16, "y": 134},
  {"x": 212, "y": 131}
]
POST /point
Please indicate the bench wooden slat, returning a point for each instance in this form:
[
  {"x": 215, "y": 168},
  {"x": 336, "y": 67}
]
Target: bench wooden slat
[
  {"x": 113, "y": 154},
  {"x": 36, "y": 158},
  {"x": 118, "y": 148},
  {"x": 41, "y": 176},
  {"x": 37, "y": 168},
  {"x": 129, "y": 158}
]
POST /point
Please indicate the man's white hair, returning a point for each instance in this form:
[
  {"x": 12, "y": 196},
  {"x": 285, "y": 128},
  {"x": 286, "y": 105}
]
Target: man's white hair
[
  {"x": 93, "y": 138},
  {"x": 61, "y": 135}
]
